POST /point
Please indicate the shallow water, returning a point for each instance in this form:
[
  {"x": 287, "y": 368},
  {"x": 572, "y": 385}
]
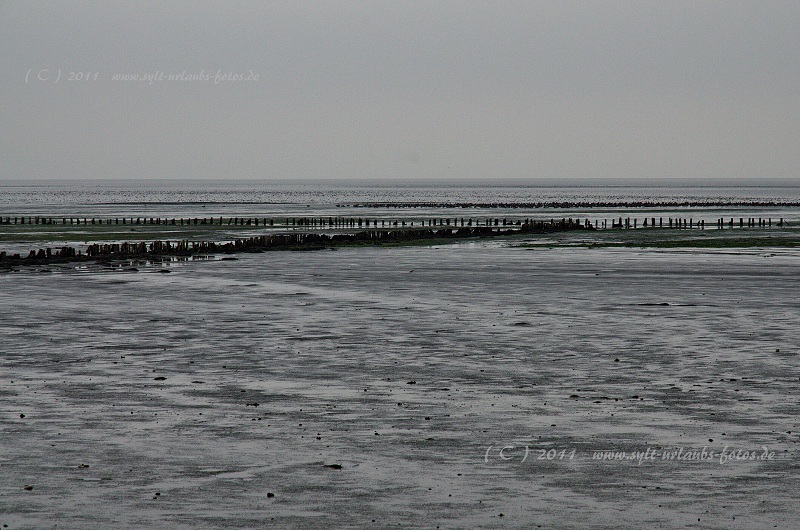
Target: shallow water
[
  {"x": 565, "y": 349},
  {"x": 153, "y": 198}
]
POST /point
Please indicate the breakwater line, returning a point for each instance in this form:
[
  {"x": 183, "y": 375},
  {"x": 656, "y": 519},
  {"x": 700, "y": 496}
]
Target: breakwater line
[
  {"x": 286, "y": 241},
  {"x": 365, "y": 222},
  {"x": 310, "y": 233},
  {"x": 578, "y": 204}
]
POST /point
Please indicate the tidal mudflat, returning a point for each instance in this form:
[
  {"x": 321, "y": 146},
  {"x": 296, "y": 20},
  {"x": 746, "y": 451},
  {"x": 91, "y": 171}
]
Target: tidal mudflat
[{"x": 478, "y": 384}]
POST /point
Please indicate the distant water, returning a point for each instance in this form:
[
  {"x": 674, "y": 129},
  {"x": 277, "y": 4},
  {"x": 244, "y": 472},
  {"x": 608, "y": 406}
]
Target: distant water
[{"x": 242, "y": 198}]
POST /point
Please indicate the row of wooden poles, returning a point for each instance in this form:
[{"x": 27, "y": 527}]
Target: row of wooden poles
[
  {"x": 678, "y": 222},
  {"x": 578, "y": 204},
  {"x": 305, "y": 222},
  {"x": 144, "y": 250},
  {"x": 352, "y": 222}
]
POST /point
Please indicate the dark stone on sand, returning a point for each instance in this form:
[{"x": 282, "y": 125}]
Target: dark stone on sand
[
  {"x": 521, "y": 324},
  {"x": 270, "y": 495},
  {"x": 160, "y": 378},
  {"x": 22, "y": 415},
  {"x": 253, "y": 405},
  {"x": 411, "y": 383},
  {"x": 334, "y": 466},
  {"x": 28, "y": 488},
  {"x": 654, "y": 304}
]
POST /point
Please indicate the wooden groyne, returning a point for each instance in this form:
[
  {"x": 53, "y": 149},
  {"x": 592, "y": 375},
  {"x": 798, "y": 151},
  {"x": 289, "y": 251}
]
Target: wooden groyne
[
  {"x": 364, "y": 222},
  {"x": 682, "y": 222},
  {"x": 576, "y": 204},
  {"x": 284, "y": 222},
  {"x": 309, "y": 232},
  {"x": 165, "y": 221},
  {"x": 290, "y": 222},
  {"x": 288, "y": 241}
]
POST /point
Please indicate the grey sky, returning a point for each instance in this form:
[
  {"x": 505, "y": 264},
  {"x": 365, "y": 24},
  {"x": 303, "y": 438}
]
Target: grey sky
[{"x": 401, "y": 90}]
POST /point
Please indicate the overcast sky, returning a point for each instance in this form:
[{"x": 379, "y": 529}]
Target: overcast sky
[{"x": 373, "y": 89}]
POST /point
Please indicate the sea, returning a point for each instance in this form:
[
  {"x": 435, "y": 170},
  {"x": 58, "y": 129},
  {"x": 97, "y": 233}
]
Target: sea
[
  {"x": 176, "y": 198},
  {"x": 493, "y": 383}
]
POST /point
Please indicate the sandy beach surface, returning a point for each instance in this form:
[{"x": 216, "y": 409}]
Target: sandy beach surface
[{"x": 473, "y": 385}]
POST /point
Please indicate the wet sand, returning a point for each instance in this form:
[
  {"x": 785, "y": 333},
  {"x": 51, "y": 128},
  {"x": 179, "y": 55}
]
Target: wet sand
[{"x": 227, "y": 394}]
